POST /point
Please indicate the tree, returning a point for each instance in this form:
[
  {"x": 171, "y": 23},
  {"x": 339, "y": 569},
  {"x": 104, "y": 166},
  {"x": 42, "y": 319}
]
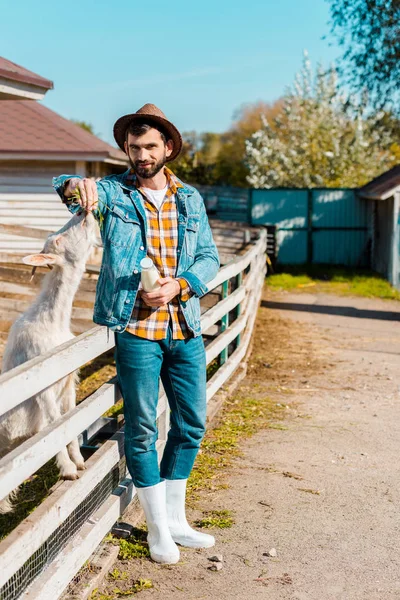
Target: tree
[
  {"x": 369, "y": 31},
  {"x": 219, "y": 158},
  {"x": 86, "y": 126},
  {"x": 197, "y": 161},
  {"x": 321, "y": 139}
]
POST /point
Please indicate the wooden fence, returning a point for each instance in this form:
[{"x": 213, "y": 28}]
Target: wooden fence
[{"x": 239, "y": 285}]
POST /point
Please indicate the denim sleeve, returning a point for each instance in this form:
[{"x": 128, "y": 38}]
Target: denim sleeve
[
  {"x": 206, "y": 262},
  {"x": 104, "y": 190}
]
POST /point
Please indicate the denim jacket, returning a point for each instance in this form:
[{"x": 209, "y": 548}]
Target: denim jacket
[{"x": 124, "y": 233}]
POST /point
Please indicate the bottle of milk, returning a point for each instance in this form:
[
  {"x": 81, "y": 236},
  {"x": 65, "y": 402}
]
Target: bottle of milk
[{"x": 149, "y": 275}]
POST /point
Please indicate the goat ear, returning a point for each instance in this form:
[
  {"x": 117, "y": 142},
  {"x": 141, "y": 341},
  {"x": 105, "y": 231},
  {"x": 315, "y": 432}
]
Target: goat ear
[{"x": 42, "y": 260}]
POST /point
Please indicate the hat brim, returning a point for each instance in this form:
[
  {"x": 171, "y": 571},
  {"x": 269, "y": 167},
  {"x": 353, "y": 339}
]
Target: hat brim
[{"x": 122, "y": 124}]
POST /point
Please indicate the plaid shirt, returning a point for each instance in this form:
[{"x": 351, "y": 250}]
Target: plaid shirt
[{"x": 162, "y": 240}]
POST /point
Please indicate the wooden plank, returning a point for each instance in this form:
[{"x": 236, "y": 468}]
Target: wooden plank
[
  {"x": 10, "y": 287},
  {"x": 11, "y": 257},
  {"x": 35, "y": 204},
  {"x": 223, "y": 354},
  {"x": 50, "y": 584},
  {"x": 38, "y": 373},
  {"x": 223, "y": 307},
  {"x": 223, "y": 340},
  {"x": 51, "y": 222},
  {"x": 42, "y": 371},
  {"x": 29, "y": 197},
  {"x": 29, "y": 535},
  {"x": 21, "y": 230},
  {"x": 55, "y": 578},
  {"x": 239, "y": 264},
  {"x": 21, "y": 306},
  {"x": 41, "y": 180},
  {"x": 223, "y": 374},
  {"x": 28, "y": 457}
]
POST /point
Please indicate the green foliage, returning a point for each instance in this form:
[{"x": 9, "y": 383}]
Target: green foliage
[
  {"x": 219, "y": 158},
  {"x": 347, "y": 282},
  {"x": 84, "y": 125},
  {"x": 369, "y": 32},
  {"x": 216, "y": 518},
  {"x": 138, "y": 586},
  {"x": 321, "y": 139},
  {"x": 77, "y": 196},
  {"x": 130, "y": 548},
  {"x": 31, "y": 493}
]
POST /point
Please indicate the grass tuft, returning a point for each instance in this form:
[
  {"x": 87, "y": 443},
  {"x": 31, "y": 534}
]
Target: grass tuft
[
  {"x": 132, "y": 547},
  {"x": 216, "y": 518},
  {"x": 333, "y": 280},
  {"x": 240, "y": 417}
]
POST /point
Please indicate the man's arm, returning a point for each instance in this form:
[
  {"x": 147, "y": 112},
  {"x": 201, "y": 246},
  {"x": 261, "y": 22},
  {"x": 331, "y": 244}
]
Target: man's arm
[{"x": 206, "y": 263}]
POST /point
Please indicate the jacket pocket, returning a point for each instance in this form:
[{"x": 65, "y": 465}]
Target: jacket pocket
[
  {"x": 124, "y": 226},
  {"x": 192, "y": 232}
]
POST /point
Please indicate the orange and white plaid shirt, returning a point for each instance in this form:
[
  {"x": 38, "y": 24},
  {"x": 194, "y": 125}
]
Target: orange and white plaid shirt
[{"x": 162, "y": 241}]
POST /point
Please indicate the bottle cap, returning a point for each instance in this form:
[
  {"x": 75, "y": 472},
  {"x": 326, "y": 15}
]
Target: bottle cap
[{"x": 146, "y": 263}]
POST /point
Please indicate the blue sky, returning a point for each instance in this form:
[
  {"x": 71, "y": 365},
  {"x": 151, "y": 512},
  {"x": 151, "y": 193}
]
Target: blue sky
[{"x": 198, "y": 62}]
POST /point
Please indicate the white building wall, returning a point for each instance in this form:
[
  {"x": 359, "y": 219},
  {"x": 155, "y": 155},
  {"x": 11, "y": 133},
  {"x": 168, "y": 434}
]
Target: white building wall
[{"x": 27, "y": 198}]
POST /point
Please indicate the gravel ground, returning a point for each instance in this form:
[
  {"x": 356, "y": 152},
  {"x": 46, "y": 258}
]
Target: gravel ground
[{"x": 321, "y": 487}]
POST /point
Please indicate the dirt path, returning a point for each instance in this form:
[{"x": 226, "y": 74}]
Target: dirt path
[{"x": 321, "y": 487}]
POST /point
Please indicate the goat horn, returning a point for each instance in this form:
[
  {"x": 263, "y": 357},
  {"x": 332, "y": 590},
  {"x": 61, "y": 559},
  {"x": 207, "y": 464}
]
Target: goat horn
[{"x": 33, "y": 272}]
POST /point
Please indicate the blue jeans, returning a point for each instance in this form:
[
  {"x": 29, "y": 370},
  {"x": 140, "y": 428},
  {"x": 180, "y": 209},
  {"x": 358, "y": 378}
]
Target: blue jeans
[{"x": 182, "y": 367}]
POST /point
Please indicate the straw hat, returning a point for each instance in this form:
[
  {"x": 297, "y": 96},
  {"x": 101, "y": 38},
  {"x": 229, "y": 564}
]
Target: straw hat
[{"x": 148, "y": 113}]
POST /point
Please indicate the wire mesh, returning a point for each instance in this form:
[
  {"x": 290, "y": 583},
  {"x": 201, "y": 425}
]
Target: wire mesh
[{"x": 47, "y": 552}]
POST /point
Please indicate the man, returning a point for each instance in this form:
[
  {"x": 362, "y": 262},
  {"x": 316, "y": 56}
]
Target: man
[{"x": 149, "y": 211}]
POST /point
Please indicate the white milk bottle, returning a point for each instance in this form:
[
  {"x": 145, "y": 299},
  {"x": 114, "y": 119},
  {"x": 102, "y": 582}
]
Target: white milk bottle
[{"x": 149, "y": 275}]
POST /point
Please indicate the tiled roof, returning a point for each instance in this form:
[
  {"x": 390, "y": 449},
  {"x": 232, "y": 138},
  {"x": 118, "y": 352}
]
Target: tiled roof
[
  {"x": 10, "y": 70},
  {"x": 383, "y": 186},
  {"x": 29, "y": 127}
]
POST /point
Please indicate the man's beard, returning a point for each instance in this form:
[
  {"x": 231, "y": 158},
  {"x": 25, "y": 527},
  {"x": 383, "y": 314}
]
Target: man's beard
[{"x": 148, "y": 172}]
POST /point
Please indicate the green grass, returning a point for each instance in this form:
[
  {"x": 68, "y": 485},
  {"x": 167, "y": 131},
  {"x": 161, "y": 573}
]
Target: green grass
[
  {"x": 240, "y": 417},
  {"x": 216, "y": 518},
  {"x": 31, "y": 493},
  {"x": 333, "y": 280},
  {"x": 135, "y": 546},
  {"x": 138, "y": 586}
]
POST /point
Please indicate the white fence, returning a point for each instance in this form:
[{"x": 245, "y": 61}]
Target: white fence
[{"x": 27, "y": 539}]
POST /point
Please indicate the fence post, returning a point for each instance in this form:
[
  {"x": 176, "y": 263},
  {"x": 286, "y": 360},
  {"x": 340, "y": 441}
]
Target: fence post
[
  {"x": 224, "y": 323},
  {"x": 239, "y": 279}
]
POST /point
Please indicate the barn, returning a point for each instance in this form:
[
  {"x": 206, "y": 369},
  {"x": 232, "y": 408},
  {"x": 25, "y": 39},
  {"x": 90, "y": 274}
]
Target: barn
[
  {"x": 35, "y": 144},
  {"x": 383, "y": 195}
]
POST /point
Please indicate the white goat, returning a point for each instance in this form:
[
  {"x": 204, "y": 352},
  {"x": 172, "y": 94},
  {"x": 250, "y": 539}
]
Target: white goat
[{"x": 44, "y": 325}]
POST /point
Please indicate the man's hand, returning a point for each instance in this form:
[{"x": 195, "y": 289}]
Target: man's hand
[
  {"x": 169, "y": 289},
  {"x": 88, "y": 197}
]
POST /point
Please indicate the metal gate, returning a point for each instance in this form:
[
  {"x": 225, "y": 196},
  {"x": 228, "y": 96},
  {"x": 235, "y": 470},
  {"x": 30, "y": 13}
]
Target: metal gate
[{"x": 331, "y": 226}]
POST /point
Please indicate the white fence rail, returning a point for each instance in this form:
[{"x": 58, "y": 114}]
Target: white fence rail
[{"x": 231, "y": 343}]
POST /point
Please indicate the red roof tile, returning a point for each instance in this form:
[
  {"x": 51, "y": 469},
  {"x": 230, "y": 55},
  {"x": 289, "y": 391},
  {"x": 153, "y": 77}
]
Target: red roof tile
[
  {"x": 30, "y": 127},
  {"x": 14, "y": 72}
]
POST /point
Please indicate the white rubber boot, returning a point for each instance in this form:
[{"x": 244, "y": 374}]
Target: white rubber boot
[
  {"x": 161, "y": 545},
  {"x": 180, "y": 529}
]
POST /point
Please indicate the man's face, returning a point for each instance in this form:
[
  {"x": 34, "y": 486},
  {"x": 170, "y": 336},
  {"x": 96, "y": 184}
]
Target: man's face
[{"x": 147, "y": 153}]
